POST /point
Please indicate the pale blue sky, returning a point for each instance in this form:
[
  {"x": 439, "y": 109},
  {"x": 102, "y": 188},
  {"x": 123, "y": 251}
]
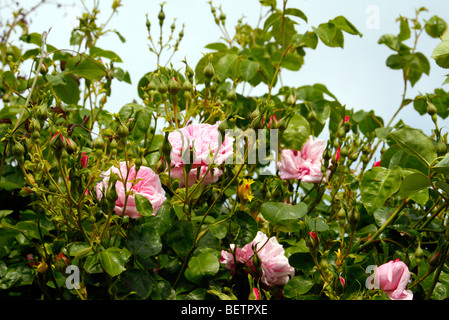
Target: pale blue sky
[{"x": 357, "y": 75}]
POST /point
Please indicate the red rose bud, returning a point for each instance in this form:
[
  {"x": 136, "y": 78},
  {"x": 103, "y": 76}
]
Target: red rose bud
[
  {"x": 337, "y": 155},
  {"x": 376, "y": 164},
  {"x": 84, "y": 159},
  {"x": 59, "y": 142},
  {"x": 61, "y": 257},
  {"x": 312, "y": 241},
  {"x": 342, "y": 281},
  {"x": 434, "y": 259}
]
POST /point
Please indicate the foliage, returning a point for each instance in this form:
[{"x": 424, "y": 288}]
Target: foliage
[{"x": 57, "y": 137}]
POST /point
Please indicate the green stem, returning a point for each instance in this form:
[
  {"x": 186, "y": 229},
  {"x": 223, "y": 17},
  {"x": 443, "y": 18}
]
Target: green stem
[{"x": 385, "y": 225}]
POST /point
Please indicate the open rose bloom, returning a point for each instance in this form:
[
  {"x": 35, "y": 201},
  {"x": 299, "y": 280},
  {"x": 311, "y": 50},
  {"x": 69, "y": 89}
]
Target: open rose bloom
[
  {"x": 275, "y": 268},
  {"x": 393, "y": 278},
  {"x": 146, "y": 183},
  {"x": 304, "y": 165},
  {"x": 208, "y": 147}
]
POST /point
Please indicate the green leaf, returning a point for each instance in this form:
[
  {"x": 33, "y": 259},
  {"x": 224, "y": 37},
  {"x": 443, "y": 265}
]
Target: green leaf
[
  {"x": 68, "y": 91},
  {"x": 248, "y": 69},
  {"x": 317, "y": 224},
  {"x": 343, "y": 24},
  {"x": 144, "y": 240},
  {"x": 31, "y": 229},
  {"x": 56, "y": 79},
  {"x": 413, "y": 183},
  {"x": 4, "y": 213},
  {"x": 404, "y": 33},
  {"x": 36, "y": 38},
  {"x": 180, "y": 237},
  {"x": 112, "y": 261},
  {"x": 135, "y": 282},
  {"x": 416, "y": 143},
  {"x": 98, "y": 52},
  {"x": 10, "y": 81},
  {"x": 276, "y": 212},
  {"x": 377, "y": 185},
  {"x": 435, "y": 27},
  {"x": 295, "y": 12},
  {"x": 441, "y": 54},
  {"x": 247, "y": 228},
  {"x": 201, "y": 267},
  {"x": 297, "y": 286},
  {"x": 85, "y": 67},
  {"x": 391, "y": 41},
  {"x": 218, "y": 46},
  {"x": 292, "y": 61},
  {"x": 443, "y": 165},
  {"x": 330, "y": 35},
  {"x": 225, "y": 65},
  {"x": 143, "y": 205},
  {"x": 301, "y": 261},
  {"x": 296, "y": 133}
]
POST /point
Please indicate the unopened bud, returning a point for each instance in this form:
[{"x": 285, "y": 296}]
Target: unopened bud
[
  {"x": 290, "y": 100},
  {"x": 209, "y": 71},
  {"x": 173, "y": 86},
  {"x": 312, "y": 241},
  {"x": 341, "y": 217},
  {"x": 231, "y": 96},
  {"x": 441, "y": 148},
  {"x": 431, "y": 109},
  {"x": 312, "y": 116},
  {"x": 353, "y": 219},
  {"x": 17, "y": 149},
  {"x": 166, "y": 148},
  {"x": 187, "y": 85},
  {"x": 122, "y": 131},
  {"x": 42, "y": 114}
]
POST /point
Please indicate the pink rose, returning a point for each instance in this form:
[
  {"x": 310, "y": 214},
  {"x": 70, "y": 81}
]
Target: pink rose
[
  {"x": 304, "y": 165},
  {"x": 208, "y": 147},
  {"x": 275, "y": 268},
  {"x": 145, "y": 183},
  {"x": 393, "y": 278},
  {"x": 376, "y": 164}
]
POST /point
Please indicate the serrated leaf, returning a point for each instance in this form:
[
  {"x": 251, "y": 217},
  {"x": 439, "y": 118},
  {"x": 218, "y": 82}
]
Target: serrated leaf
[
  {"x": 413, "y": 183},
  {"x": 201, "y": 267},
  {"x": 441, "y": 54},
  {"x": 296, "y": 133},
  {"x": 378, "y": 184},
  {"x": 298, "y": 286},
  {"x": 276, "y": 212},
  {"x": 144, "y": 240},
  {"x": 143, "y": 205},
  {"x": 112, "y": 262},
  {"x": 247, "y": 228},
  {"x": 180, "y": 237},
  {"x": 248, "y": 69},
  {"x": 416, "y": 143}
]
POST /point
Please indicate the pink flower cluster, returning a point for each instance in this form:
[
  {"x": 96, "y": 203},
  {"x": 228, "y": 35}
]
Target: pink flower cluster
[
  {"x": 304, "y": 165},
  {"x": 146, "y": 182},
  {"x": 208, "y": 147},
  {"x": 274, "y": 265},
  {"x": 393, "y": 278}
]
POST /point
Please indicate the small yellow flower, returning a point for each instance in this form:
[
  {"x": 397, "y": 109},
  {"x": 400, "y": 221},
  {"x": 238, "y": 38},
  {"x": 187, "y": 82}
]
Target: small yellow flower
[
  {"x": 339, "y": 260},
  {"x": 42, "y": 267},
  {"x": 244, "y": 190}
]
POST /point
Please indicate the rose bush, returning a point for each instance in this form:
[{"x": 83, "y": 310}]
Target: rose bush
[{"x": 269, "y": 197}]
